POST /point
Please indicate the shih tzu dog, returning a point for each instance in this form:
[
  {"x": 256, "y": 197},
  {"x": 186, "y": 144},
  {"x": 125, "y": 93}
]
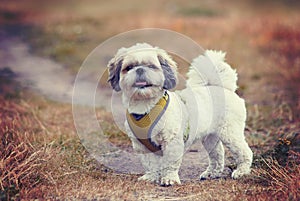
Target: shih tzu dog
[{"x": 162, "y": 124}]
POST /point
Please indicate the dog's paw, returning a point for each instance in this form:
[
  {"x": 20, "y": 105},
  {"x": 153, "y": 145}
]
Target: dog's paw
[
  {"x": 170, "y": 180},
  {"x": 210, "y": 175},
  {"x": 238, "y": 173}
]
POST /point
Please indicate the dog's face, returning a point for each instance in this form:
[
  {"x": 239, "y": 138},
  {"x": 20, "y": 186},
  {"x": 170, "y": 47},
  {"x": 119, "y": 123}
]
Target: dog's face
[{"x": 142, "y": 72}]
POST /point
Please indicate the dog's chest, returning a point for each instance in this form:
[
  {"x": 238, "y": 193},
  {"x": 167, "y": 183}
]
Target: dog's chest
[
  {"x": 170, "y": 120},
  {"x": 144, "y": 127}
]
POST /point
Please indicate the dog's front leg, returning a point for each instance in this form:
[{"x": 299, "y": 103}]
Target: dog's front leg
[
  {"x": 151, "y": 163},
  {"x": 171, "y": 160}
]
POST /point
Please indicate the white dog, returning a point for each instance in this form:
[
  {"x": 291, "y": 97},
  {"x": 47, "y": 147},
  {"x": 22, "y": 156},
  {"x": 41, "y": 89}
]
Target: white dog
[{"x": 163, "y": 124}]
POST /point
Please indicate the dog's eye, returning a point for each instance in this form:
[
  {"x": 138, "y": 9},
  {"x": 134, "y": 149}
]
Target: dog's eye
[
  {"x": 128, "y": 68},
  {"x": 152, "y": 66}
]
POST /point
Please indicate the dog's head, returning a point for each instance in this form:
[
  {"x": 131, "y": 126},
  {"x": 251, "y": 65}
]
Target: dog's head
[{"x": 142, "y": 71}]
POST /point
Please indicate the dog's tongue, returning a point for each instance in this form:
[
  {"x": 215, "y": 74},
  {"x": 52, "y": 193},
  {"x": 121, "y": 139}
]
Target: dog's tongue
[{"x": 141, "y": 83}]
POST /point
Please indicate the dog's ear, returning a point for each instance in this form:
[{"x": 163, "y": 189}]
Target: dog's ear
[
  {"x": 114, "y": 69},
  {"x": 169, "y": 69}
]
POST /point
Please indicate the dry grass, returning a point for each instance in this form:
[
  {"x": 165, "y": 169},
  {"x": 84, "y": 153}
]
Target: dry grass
[
  {"x": 38, "y": 149},
  {"x": 21, "y": 161},
  {"x": 285, "y": 181},
  {"x": 56, "y": 166}
]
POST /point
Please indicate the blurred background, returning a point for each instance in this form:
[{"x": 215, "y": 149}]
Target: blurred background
[
  {"x": 44, "y": 43},
  {"x": 260, "y": 37}
]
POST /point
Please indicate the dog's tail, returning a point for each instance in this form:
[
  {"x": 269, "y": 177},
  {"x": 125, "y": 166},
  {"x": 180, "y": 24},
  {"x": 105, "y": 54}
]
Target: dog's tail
[{"x": 210, "y": 69}]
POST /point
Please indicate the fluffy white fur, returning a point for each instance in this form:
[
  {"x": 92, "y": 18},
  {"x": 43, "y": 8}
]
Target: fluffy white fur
[{"x": 208, "y": 108}]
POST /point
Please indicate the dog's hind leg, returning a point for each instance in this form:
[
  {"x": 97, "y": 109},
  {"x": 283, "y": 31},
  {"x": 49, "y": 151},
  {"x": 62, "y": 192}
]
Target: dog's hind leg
[
  {"x": 233, "y": 138},
  {"x": 215, "y": 150}
]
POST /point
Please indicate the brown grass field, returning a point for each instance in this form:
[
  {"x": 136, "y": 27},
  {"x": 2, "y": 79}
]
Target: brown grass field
[{"x": 41, "y": 156}]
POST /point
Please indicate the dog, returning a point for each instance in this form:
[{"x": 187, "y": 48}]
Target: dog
[{"x": 162, "y": 123}]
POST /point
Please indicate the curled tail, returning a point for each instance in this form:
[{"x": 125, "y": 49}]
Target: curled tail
[{"x": 211, "y": 69}]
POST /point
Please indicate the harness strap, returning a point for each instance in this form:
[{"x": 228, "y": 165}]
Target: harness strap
[{"x": 142, "y": 126}]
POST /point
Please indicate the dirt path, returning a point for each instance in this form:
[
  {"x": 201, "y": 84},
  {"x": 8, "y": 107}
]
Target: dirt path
[{"x": 43, "y": 75}]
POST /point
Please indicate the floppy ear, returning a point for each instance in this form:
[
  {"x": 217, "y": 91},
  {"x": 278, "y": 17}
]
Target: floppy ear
[
  {"x": 114, "y": 69},
  {"x": 169, "y": 69}
]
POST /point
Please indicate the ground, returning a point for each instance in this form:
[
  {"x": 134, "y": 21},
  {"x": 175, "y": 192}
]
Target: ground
[{"x": 42, "y": 156}]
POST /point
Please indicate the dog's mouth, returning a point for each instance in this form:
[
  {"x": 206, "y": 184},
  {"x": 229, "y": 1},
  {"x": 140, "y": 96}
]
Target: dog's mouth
[{"x": 142, "y": 84}]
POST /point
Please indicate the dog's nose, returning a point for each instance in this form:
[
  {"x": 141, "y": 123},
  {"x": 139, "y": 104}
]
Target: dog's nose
[{"x": 140, "y": 71}]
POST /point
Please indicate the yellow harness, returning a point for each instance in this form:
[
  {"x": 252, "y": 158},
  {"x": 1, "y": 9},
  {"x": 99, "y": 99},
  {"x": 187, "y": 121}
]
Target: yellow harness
[{"x": 142, "y": 125}]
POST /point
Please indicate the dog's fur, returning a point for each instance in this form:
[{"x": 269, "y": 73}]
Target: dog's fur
[{"x": 208, "y": 108}]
